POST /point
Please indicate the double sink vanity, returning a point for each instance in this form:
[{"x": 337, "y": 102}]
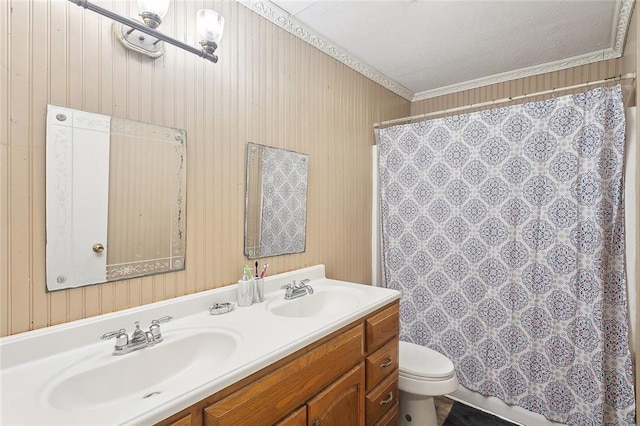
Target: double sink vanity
[{"x": 328, "y": 357}]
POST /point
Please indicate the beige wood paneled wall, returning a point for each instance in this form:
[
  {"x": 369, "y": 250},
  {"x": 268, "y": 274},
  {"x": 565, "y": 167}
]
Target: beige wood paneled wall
[{"x": 269, "y": 87}]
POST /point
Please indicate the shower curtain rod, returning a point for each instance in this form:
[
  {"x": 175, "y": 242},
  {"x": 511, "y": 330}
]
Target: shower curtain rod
[{"x": 629, "y": 76}]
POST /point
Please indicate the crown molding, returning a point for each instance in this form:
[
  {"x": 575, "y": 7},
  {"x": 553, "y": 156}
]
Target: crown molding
[
  {"x": 285, "y": 21},
  {"x": 520, "y": 73},
  {"x": 622, "y": 27}
]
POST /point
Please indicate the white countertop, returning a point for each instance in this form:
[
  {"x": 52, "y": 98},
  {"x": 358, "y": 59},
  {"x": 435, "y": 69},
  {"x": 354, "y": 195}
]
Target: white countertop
[{"x": 34, "y": 362}]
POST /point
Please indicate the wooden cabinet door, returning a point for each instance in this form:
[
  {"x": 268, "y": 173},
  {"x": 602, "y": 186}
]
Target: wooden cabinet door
[
  {"x": 341, "y": 403},
  {"x": 185, "y": 421},
  {"x": 297, "y": 418}
]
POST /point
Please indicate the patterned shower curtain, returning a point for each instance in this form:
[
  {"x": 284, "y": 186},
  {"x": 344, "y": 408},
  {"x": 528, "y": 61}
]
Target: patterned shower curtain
[{"x": 504, "y": 230}]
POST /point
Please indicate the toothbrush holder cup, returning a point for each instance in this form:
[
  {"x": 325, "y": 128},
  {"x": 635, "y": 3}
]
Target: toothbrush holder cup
[{"x": 258, "y": 290}]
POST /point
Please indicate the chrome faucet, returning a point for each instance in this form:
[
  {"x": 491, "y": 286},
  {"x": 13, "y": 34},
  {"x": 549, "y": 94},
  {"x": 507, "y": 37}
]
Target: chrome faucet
[
  {"x": 139, "y": 339},
  {"x": 295, "y": 290}
]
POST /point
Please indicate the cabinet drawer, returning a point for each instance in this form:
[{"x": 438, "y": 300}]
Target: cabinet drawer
[
  {"x": 381, "y": 398},
  {"x": 277, "y": 394},
  {"x": 390, "y": 418},
  {"x": 381, "y": 327},
  {"x": 382, "y": 362}
]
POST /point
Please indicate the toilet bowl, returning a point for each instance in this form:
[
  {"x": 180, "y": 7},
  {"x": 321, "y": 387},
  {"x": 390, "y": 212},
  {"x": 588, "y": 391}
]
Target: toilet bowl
[{"x": 424, "y": 373}]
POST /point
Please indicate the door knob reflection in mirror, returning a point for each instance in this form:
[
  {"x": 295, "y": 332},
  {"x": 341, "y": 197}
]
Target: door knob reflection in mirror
[{"x": 98, "y": 247}]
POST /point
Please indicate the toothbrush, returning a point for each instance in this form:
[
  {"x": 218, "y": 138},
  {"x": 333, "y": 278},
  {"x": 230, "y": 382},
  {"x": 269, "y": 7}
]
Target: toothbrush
[
  {"x": 256, "y": 269},
  {"x": 264, "y": 270}
]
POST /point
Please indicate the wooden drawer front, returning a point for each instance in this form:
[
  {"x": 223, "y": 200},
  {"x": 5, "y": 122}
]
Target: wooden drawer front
[
  {"x": 381, "y": 363},
  {"x": 380, "y": 399},
  {"x": 279, "y": 393},
  {"x": 390, "y": 418},
  {"x": 381, "y": 327},
  {"x": 297, "y": 418}
]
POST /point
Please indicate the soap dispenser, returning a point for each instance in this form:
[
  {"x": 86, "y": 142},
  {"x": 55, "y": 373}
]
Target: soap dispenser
[{"x": 246, "y": 288}]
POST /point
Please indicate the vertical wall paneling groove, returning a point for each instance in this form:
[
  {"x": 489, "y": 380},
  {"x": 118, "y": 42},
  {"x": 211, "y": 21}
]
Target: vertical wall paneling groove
[
  {"x": 21, "y": 233},
  {"x": 268, "y": 87},
  {"x": 5, "y": 177},
  {"x": 40, "y": 83},
  {"x": 30, "y": 160}
]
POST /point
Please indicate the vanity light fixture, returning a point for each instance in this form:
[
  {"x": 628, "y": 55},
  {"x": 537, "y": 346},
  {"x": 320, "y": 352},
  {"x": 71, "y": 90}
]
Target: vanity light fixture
[{"x": 210, "y": 25}]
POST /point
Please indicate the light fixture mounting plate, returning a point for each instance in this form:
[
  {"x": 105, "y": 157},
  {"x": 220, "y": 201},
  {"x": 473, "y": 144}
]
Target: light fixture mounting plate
[{"x": 138, "y": 41}]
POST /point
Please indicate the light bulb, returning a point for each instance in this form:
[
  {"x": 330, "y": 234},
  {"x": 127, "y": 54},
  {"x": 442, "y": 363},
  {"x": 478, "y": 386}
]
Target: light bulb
[{"x": 210, "y": 25}]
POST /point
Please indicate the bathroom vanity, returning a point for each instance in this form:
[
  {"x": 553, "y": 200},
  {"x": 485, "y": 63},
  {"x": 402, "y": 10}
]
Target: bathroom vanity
[
  {"x": 330, "y": 357},
  {"x": 347, "y": 378}
]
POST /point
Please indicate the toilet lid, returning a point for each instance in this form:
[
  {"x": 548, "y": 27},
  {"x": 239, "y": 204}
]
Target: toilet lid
[{"x": 419, "y": 361}]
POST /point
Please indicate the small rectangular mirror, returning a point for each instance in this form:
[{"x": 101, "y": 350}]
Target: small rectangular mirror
[
  {"x": 276, "y": 201},
  {"x": 115, "y": 193}
]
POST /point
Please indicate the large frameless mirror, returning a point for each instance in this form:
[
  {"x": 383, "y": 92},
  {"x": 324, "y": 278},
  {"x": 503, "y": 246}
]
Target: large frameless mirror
[
  {"x": 116, "y": 193},
  {"x": 276, "y": 201}
]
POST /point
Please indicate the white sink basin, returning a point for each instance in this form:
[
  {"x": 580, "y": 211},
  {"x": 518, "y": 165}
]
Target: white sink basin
[
  {"x": 327, "y": 300},
  {"x": 181, "y": 359}
]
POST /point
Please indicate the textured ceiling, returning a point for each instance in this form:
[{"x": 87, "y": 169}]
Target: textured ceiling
[{"x": 421, "y": 49}]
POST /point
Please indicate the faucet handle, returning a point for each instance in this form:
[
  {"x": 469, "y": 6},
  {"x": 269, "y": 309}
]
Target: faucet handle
[
  {"x": 112, "y": 334},
  {"x": 305, "y": 281},
  {"x": 122, "y": 339},
  {"x": 162, "y": 320},
  {"x": 288, "y": 286},
  {"x": 154, "y": 329}
]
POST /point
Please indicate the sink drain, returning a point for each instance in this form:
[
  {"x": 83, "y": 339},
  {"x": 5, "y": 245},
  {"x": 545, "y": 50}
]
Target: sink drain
[{"x": 151, "y": 394}]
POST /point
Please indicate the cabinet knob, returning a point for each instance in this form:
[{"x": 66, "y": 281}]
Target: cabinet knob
[{"x": 317, "y": 423}]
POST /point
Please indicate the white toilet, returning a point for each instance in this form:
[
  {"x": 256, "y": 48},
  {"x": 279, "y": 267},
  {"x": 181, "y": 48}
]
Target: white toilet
[{"x": 424, "y": 373}]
